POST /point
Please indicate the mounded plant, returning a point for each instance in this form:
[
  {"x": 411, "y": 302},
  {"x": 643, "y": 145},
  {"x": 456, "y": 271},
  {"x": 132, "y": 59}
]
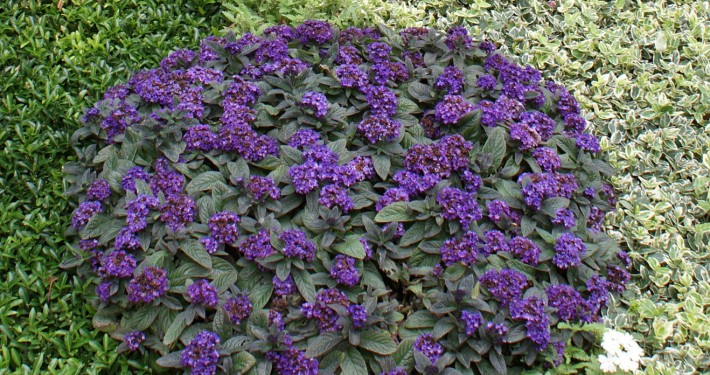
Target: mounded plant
[{"x": 358, "y": 201}]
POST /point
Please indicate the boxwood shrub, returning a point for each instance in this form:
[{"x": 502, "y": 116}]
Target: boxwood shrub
[{"x": 314, "y": 200}]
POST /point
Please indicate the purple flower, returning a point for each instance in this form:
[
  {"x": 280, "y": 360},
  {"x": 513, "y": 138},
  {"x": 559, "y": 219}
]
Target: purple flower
[
  {"x": 223, "y": 226},
  {"x": 487, "y": 82},
  {"x": 458, "y": 37},
  {"x": 137, "y": 211},
  {"x": 560, "y": 349},
  {"x": 595, "y": 221},
  {"x": 133, "y": 340},
  {"x": 395, "y": 371},
  {"x": 564, "y": 217},
  {"x": 608, "y": 191},
  {"x": 622, "y": 255},
  {"x": 191, "y": 101},
  {"x": 103, "y": 291},
  {"x": 296, "y": 244},
  {"x": 178, "y": 210},
  {"x": 472, "y": 320},
  {"x": 495, "y": 242},
  {"x": 536, "y": 321},
  {"x": 379, "y": 52},
  {"x": 211, "y": 246},
  {"x": 358, "y": 314},
  {"x": 201, "y": 292},
  {"x": 358, "y": 35},
  {"x": 120, "y": 91},
  {"x": 155, "y": 86},
  {"x": 326, "y": 317},
  {"x": 118, "y": 264},
  {"x": 128, "y": 181},
  {"x": 201, "y": 354},
  {"x": 368, "y": 248},
  {"x": 415, "y": 57},
  {"x": 238, "y": 115},
  {"x": 617, "y": 278},
  {"x": 450, "y": 80},
  {"x": 256, "y": 246},
  {"x": 351, "y": 75},
  {"x": 85, "y": 212},
  {"x": 487, "y": 47},
  {"x": 426, "y": 345},
  {"x": 177, "y": 58},
  {"x": 98, "y": 191},
  {"x": 413, "y": 33},
  {"x": 463, "y": 250},
  {"x": 275, "y": 318},
  {"x": 200, "y": 74},
  {"x": 281, "y": 31},
  {"x": 598, "y": 290},
  {"x": 498, "y": 210},
  {"x": 91, "y": 244},
  {"x": 200, "y": 137},
  {"x": 165, "y": 180},
  {"x": 348, "y": 55},
  {"x": 316, "y": 102},
  {"x": 126, "y": 240},
  {"x": 241, "y": 92},
  {"x": 271, "y": 50},
  {"x": 525, "y": 134},
  {"x": 540, "y": 122},
  {"x": 322, "y": 156},
  {"x": 292, "y": 362},
  {"x": 260, "y": 188},
  {"x": 547, "y": 159},
  {"x": 149, "y": 285},
  {"x": 526, "y": 250},
  {"x": 390, "y": 196},
  {"x": 382, "y": 101},
  {"x": 377, "y": 128},
  {"x": 285, "y": 287},
  {"x": 304, "y": 177},
  {"x": 314, "y": 31},
  {"x": 574, "y": 124},
  {"x": 588, "y": 142},
  {"x": 449, "y": 154},
  {"x": 304, "y": 138},
  {"x": 238, "y": 308},
  {"x": 566, "y": 300},
  {"x": 506, "y": 285},
  {"x": 498, "y": 331},
  {"x": 336, "y": 195},
  {"x": 206, "y": 51},
  {"x": 450, "y": 110},
  {"x": 458, "y": 205},
  {"x": 343, "y": 270},
  {"x": 383, "y": 72},
  {"x": 568, "y": 250}
]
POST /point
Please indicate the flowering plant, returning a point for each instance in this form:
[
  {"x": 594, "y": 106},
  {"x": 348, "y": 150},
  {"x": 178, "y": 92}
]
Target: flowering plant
[
  {"x": 356, "y": 201},
  {"x": 622, "y": 351}
]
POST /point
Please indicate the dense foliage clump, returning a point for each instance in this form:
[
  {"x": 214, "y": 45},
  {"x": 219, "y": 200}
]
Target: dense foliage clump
[{"x": 343, "y": 201}]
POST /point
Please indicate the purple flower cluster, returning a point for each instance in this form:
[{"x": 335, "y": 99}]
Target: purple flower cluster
[
  {"x": 211, "y": 246},
  {"x": 318, "y": 32},
  {"x": 426, "y": 345},
  {"x": 304, "y": 138},
  {"x": 117, "y": 264},
  {"x": 568, "y": 251},
  {"x": 566, "y": 300},
  {"x": 494, "y": 241},
  {"x": 462, "y": 250},
  {"x": 201, "y": 292},
  {"x": 395, "y": 371},
  {"x": 350, "y": 75},
  {"x": 336, "y": 195},
  {"x": 531, "y": 310},
  {"x": 326, "y": 318},
  {"x": 256, "y": 246},
  {"x": 598, "y": 297},
  {"x": 440, "y": 159},
  {"x": 293, "y": 362},
  {"x": 85, "y": 212},
  {"x": 377, "y": 128},
  {"x": 238, "y": 309},
  {"x": 343, "y": 270},
  {"x": 126, "y": 240},
  {"x": 595, "y": 221},
  {"x": 499, "y": 212},
  {"x": 450, "y": 110},
  {"x": 165, "y": 180},
  {"x": 137, "y": 211},
  {"x": 588, "y": 142},
  {"x": 458, "y": 38},
  {"x": 99, "y": 190},
  {"x": 617, "y": 278},
  {"x": 450, "y": 80},
  {"x": 200, "y": 137},
  {"x": 487, "y": 82},
  {"x": 547, "y": 159},
  {"x": 525, "y": 250},
  {"x": 506, "y": 285},
  {"x": 133, "y": 340},
  {"x": 103, "y": 290},
  {"x": 382, "y": 101},
  {"x": 296, "y": 244},
  {"x": 178, "y": 210},
  {"x": 128, "y": 181},
  {"x": 149, "y": 285},
  {"x": 379, "y": 52},
  {"x": 547, "y": 185},
  {"x": 459, "y": 205},
  {"x": 503, "y": 110},
  {"x": 223, "y": 226},
  {"x": 564, "y": 217},
  {"x": 356, "y": 34},
  {"x": 472, "y": 320},
  {"x": 358, "y": 315},
  {"x": 285, "y": 287},
  {"x": 260, "y": 188},
  {"x": 317, "y": 102},
  {"x": 201, "y": 354},
  {"x": 348, "y": 55}
]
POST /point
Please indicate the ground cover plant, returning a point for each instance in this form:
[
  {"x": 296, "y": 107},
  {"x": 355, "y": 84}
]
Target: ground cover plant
[{"x": 343, "y": 201}]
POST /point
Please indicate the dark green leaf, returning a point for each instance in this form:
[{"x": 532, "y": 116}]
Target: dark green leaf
[
  {"x": 382, "y": 165},
  {"x": 377, "y": 341},
  {"x": 495, "y": 146},
  {"x": 304, "y": 284},
  {"x": 351, "y": 246},
  {"x": 204, "y": 181},
  {"x": 323, "y": 343},
  {"x": 353, "y": 363},
  {"x": 395, "y": 212},
  {"x": 197, "y": 252}
]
